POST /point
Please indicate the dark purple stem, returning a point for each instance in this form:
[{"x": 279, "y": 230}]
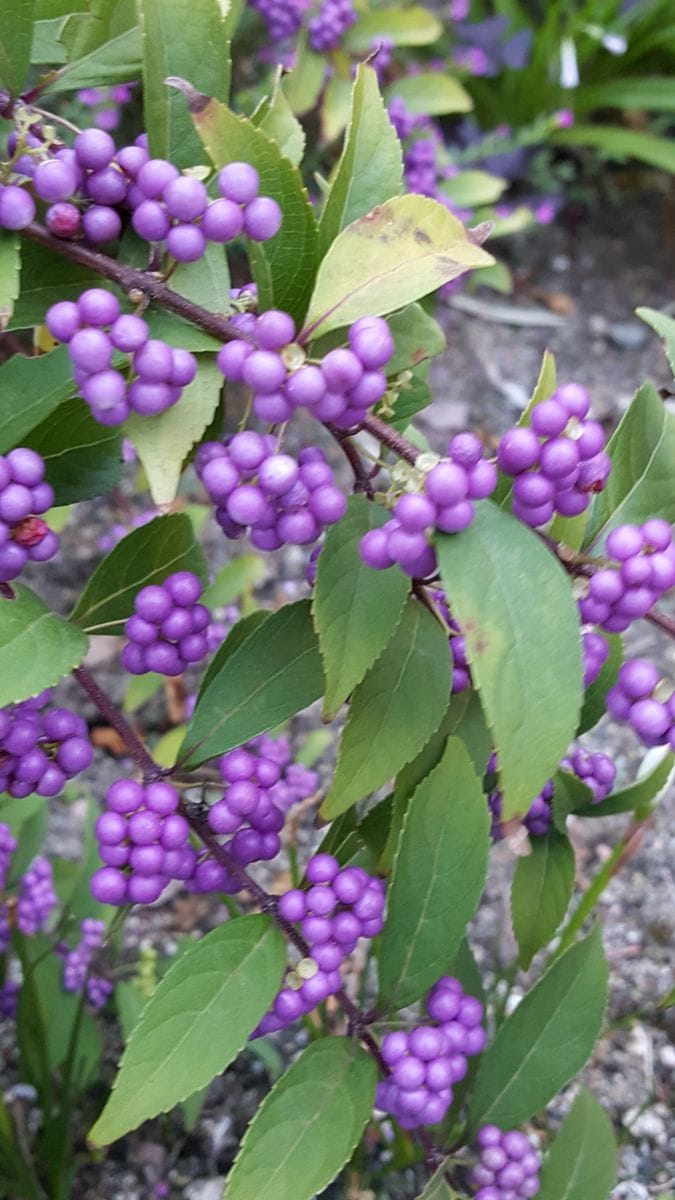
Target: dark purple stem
[
  {"x": 662, "y": 621},
  {"x": 131, "y": 280},
  {"x": 267, "y": 903},
  {"x": 362, "y": 476},
  {"x": 389, "y": 437},
  {"x": 144, "y": 761},
  {"x": 358, "y": 1020}
]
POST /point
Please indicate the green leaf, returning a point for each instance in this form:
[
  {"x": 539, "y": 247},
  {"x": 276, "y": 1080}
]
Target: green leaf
[
  {"x": 304, "y": 83},
  {"x": 664, "y": 326},
  {"x": 116, "y": 61},
  {"x": 82, "y": 457},
  {"x": 164, "y": 442},
  {"x": 581, "y": 1164},
  {"x": 370, "y": 169},
  {"x": 401, "y": 251},
  {"x": 273, "y": 674},
  {"x": 569, "y": 794},
  {"x": 438, "y": 1187},
  {"x": 642, "y": 451},
  {"x": 640, "y": 797},
  {"x": 498, "y": 277},
  {"x": 46, "y": 47},
  {"x": 464, "y": 720},
  {"x": 49, "y": 1017},
  {"x": 30, "y": 389},
  {"x": 415, "y": 26},
  {"x": 438, "y": 878},
  {"x": 413, "y": 397},
  {"x": 45, "y": 278},
  {"x": 16, "y": 39},
  {"x": 468, "y": 189},
  {"x": 335, "y": 107},
  {"x": 276, "y": 119},
  {"x": 543, "y": 389},
  {"x": 417, "y": 337},
  {"x": 545, "y": 1040},
  {"x": 235, "y": 638},
  {"x": 171, "y": 329},
  {"x": 285, "y": 266},
  {"x": 205, "y": 282},
  {"x": 542, "y": 888},
  {"x": 193, "y": 45},
  {"x": 10, "y": 269},
  {"x": 307, "y": 1126},
  {"x": 140, "y": 689},
  {"x": 356, "y": 609},
  {"x": 239, "y": 576},
  {"x": 37, "y": 648},
  {"x": 431, "y": 93},
  {"x": 649, "y": 95},
  {"x": 146, "y": 555},
  {"x": 385, "y": 729},
  {"x": 27, "y": 822},
  {"x": 196, "y": 1021},
  {"x": 516, "y": 633},
  {"x": 621, "y": 144},
  {"x": 86, "y": 31},
  {"x": 594, "y": 696}
]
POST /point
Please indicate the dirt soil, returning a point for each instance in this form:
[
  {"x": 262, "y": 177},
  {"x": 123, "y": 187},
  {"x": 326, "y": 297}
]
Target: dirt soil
[{"x": 597, "y": 271}]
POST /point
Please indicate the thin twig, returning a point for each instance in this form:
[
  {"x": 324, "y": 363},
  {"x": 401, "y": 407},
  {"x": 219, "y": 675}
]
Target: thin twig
[
  {"x": 362, "y": 477},
  {"x": 144, "y": 761},
  {"x": 389, "y": 437},
  {"x": 130, "y": 280}
]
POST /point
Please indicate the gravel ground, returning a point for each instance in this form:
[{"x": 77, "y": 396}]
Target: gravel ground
[{"x": 482, "y": 380}]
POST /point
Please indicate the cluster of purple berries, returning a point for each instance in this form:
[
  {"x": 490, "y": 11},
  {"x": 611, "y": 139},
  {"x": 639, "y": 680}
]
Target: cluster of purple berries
[
  {"x": 428, "y": 1060},
  {"x": 645, "y": 571},
  {"x": 340, "y": 906},
  {"x": 461, "y": 671},
  {"x": 176, "y": 209},
  {"x": 645, "y": 701},
  {"x": 107, "y": 103},
  {"x": 9, "y": 999},
  {"x": 85, "y": 177},
  {"x": 41, "y": 747},
  {"x": 340, "y": 388},
  {"x": 167, "y": 207},
  {"x": 261, "y": 784},
  {"x": 596, "y": 770},
  {"x": 35, "y": 897},
  {"x": 278, "y": 499},
  {"x": 169, "y": 628},
  {"x": 445, "y": 504},
  {"x": 24, "y": 537},
  {"x": 93, "y": 329},
  {"x": 331, "y": 22},
  {"x": 143, "y": 841},
  {"x": 558, "y": 460},
  {"x": 282, "y": 17},
  {"x": 8, "y": 845},
  {"x": 508, "y": 1166},
  {"x": 77, "y": 963},
  {"x": 595, "y": 649}
]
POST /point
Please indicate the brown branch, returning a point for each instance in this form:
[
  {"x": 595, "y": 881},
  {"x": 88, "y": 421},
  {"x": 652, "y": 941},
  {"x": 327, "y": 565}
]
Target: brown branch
[
  {"x": 362, "y": 476},
  {"x": 268, "y": 903},
  {"x": 580, "y": 565},
  {"x": 130, "y": 280},
  {"x": 389, "y": 437},
  {"x": 144, "y": 761},
  {"x": 662, "y": 621}
]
